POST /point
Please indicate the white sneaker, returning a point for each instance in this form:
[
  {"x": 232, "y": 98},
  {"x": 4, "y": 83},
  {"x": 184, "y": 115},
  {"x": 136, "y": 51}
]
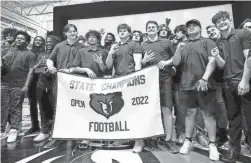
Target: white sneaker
[
  {"x": 182, "y": 138},
  {"x": 186, "y": 147},
  {"x": 3, "y": 135},
  {"x": 41, "y": 137},
  {"x": 12, "y": 136},
  {"x": 213, "y": 152},
  {"x": 138, "y": 146}
]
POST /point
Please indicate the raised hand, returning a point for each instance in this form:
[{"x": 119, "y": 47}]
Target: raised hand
[
  {"x": 97, "y": 58},
  {"x": 114, "y": 48}
]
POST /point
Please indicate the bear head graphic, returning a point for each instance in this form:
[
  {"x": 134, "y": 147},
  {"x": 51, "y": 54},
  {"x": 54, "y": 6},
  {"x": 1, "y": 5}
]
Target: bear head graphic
[{"x": 107, "y": 104}]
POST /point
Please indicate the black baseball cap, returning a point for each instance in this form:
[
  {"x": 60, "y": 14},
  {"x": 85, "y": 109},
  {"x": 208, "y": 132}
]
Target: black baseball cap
[{"x": 193, "y": 21}]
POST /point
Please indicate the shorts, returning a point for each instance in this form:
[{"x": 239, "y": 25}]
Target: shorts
[
  {"x": 206, "y": 101},
  {"x": 166, "y": 96}
]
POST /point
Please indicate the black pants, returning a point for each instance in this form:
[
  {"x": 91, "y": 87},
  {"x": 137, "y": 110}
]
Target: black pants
[
  {"x": 33, "y": 102},
  {"x": 234, "y": 104},
  {"x": 46, "y": 111}
]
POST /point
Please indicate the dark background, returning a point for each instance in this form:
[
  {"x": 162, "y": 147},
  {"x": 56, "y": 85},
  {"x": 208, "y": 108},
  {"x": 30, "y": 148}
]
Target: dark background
[{"x": 241, "y": 10}]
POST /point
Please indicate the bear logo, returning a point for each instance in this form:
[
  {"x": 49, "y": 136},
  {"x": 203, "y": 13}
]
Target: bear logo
[{"x": 107, "y": 104}]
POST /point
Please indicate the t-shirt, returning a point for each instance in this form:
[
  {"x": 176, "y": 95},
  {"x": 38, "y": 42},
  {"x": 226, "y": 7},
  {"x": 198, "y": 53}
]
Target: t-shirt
[
  {"x": 4, "y": 51},
  {"x": 18, "y": 64},
  {"x": 164, "y": 50},
  {"x": 64, "y": 54},
  {"x": 45, "y": 79},
  {"x": 177, "y": 78},
  {"x": 232, "y": 50},
  {"x": 123, "y": 58},
  {"x": 84, "y": 59},
  {"x": 194, "y": 60}
]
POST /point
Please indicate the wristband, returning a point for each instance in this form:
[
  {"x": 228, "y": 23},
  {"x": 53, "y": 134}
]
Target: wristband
[{"x": 204, "y": 80}]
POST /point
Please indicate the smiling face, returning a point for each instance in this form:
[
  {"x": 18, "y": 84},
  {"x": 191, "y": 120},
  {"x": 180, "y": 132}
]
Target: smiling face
[
  {"x": 152, "y": 29},
  {"x": 20, "y": 40},
  {"x": 71, "y": 33},
  {"x": 92, "y": 40},
  {"x": 49, "y": 43},
  {"x": 213, "y": 32},
  {"x": 193, "y": 29},
  {"x": 223, "y": 24},
  {"x": 38, "y": 41},
  {"x": 109, "y": 38}
]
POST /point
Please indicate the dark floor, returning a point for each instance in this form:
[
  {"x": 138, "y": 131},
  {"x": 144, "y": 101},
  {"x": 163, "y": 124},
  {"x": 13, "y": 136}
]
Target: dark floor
[{"x": 26, "y": 151}]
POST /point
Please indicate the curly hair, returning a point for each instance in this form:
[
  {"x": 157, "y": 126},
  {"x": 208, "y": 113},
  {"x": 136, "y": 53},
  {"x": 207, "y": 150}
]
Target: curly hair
[
  {"x": 94, "y": 33},
  {"x": 113, "y": 36},
  {"x": 27, "y": 36},
  {"x": 219, "y": 15},
  {"x": 9, "y": 31},
  {"x": 55, "y": 40}
]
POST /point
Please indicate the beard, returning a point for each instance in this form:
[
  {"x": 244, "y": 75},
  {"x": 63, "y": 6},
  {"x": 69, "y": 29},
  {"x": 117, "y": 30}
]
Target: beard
[{"x": 108, "y": 42}]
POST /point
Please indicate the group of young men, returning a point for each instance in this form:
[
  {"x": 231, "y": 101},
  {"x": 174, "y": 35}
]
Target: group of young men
[{"x": 188, "y": 72}]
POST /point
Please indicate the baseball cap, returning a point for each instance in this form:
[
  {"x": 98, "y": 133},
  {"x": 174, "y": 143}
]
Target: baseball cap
[{"x": 193, "y": 21}]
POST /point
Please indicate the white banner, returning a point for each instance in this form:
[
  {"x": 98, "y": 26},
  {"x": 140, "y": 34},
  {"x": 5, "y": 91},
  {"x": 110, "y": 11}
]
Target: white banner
[{"x": 126, "y": 107}]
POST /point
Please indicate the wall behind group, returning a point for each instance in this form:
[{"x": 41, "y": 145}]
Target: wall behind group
[
  {"x": 63, "y": 14},
  {"x": 138, "y": 21}
]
